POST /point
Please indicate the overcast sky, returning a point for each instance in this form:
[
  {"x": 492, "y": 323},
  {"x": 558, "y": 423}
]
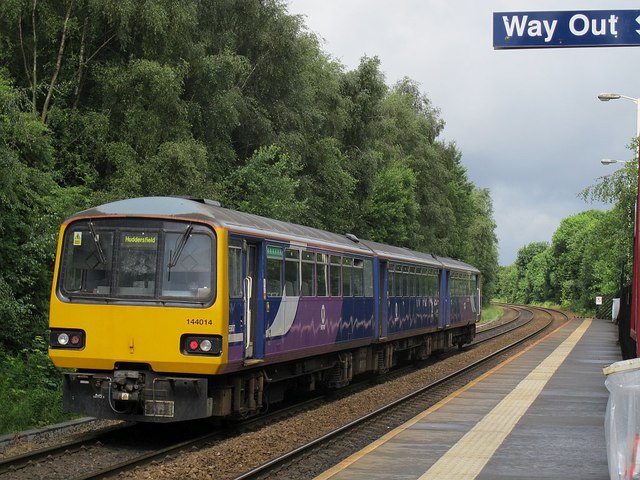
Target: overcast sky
[{"x": 528, "y": 122}]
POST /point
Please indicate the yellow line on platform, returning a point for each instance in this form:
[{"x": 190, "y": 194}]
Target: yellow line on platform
[
  {"x": 467, "y": 458},
  {"x": 384, "y": 439}
]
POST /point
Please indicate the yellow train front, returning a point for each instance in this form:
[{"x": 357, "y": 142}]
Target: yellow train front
[{"x": 137, "y": 294}]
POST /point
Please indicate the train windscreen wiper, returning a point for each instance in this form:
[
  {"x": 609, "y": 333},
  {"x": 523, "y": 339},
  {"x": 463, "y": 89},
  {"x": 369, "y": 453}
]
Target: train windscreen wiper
[
  {"x": 174, "y": 255},
  {"x": 96, "y": 242}
]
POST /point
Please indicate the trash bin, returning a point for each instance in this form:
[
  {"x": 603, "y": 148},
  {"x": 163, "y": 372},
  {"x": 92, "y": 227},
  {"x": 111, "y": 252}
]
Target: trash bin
[{"x": 622, "y": 419}]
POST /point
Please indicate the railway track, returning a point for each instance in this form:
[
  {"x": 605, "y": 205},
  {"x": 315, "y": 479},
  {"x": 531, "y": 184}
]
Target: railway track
[
  {"x": 102, "y": 456},
  {"x": 360, "y": 431},
  {"x": 122, "y": 448}
]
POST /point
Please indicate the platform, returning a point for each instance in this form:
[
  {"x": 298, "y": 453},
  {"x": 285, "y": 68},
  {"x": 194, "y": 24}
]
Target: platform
[{"x": 538, "y": 415}]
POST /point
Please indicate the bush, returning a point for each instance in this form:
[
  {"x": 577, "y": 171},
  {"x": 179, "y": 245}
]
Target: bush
[{"x": 30, "y": 389}]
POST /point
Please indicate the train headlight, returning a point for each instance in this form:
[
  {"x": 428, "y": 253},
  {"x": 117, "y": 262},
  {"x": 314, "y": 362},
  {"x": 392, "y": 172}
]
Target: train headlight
[
  {"x": 67, "y": 338},
  {"x": 209, "y": 345},
  {"x": 205, "y": 345}
]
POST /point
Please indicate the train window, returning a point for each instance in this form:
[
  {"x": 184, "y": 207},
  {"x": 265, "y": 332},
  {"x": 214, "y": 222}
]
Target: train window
[
  {"x": 358, "y": 277},
  {"x": 406, "y": 281},
  {"x": 308, "y": 274},
  {"x": 292, "y": 272},
  {"x": 347, "y": 264},
  {"x": 87, "y": 268},
  {"x": 398, "y": 281},
  {"x": 368, "y": 278},
  {"x": 335, "y": 276},
  {"x": 187, "y": 269},
  {"x": 138, "y": 259},
  {"x": 429, "y": 282},
  {"x": 422, "y": 283},
  {"x": 412, "y": 282},
  {"x": 235, "y": 270},
  {"x": 274, "y": 271},
  {"x": 322, "y": 272},
  {"x": 137, "y": 264},
  {"x": 390, "y": 278}
]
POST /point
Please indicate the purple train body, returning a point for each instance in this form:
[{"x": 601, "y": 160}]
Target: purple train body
[{"x": 277, "y": 307}]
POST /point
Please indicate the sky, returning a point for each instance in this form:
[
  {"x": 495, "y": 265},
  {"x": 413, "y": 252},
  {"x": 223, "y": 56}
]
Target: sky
[{"x": 527, "y": 122}]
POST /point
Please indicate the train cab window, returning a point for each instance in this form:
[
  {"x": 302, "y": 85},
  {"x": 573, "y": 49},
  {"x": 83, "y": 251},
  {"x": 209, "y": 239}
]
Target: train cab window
[
  {"x": 137, "y": 264},
  {"x": 308, "y": 274},
  {"x": 138, "y": 260},
  {"x": 322, "y": 272},
  {"x": 335, "y": 276},
  {"x": 235, "y": 269},
  {"x": 292, "y": 272},
  {"x": 187, "y": 273},
  {"x": 358, "y": 277},
  {"x": 347, "y": 266},
  {"x": 88, "y": 261},
  {"x": 274, "y": 271}
]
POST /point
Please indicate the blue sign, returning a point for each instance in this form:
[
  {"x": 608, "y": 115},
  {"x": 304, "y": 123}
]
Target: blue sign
[{"x": 582, "y": 28}]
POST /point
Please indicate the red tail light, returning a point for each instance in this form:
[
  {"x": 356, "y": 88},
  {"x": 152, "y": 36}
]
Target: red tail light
[
  {"x": 66, "y": 338},
  {"x": 210, "y": 345}
]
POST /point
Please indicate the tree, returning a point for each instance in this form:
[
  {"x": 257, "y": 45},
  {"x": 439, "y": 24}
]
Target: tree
[
  {"x": 619, "y": 189},
  {"x": 266, "y": 186},
  {"x": 31, "y": 206},
  {"x": 391, "y": 211},
  {"x": 521, "y": 292},
  {"x": 569, "y": 246},
  {"x": 483, "y": 242}
]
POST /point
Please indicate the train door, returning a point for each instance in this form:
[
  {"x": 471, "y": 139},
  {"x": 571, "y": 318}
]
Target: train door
[
  {"x": 253, "y": 304},
  {"x": 444, "y": 319},
  {"x": 250, "y": 292},
  {"x": 246, "y": 304},
  {"x": 381, "y": 292}
]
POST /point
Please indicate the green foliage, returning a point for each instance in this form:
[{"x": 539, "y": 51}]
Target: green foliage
[
  {"x": 391, "y": 211},
  {"x": 266, "y": 186},
  {"x": 491, "y": 313},
  {"x": 231, "y": 100},
  {"x": 32, "y": 205},
  {"x": 570, "y": 271},
  {"x": 484, "y": 242},
  {"x": 30, "y": 389},
  {"x": 590, "y": 254}
]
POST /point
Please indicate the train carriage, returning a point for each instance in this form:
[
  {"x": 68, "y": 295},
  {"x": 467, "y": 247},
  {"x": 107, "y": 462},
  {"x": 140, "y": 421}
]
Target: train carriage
[{"x": 173, "y": 308}]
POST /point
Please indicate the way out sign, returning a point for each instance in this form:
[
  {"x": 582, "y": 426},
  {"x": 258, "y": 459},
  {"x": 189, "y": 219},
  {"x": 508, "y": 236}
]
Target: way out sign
[{"x": 585, "y": 28}]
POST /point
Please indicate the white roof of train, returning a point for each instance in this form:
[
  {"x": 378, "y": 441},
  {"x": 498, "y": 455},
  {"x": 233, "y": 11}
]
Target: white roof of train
[{"x": 247, "y": 223}]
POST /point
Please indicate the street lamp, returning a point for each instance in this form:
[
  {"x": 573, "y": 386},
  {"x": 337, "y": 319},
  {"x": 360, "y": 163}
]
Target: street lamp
[
  {"x": 609, "y": 161},
  {"x": 605, "y": 97},
  {"x": 635, "y": 288}
]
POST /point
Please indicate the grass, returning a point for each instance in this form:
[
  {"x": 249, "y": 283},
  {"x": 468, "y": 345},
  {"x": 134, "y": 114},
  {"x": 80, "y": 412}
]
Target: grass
[
  {"x": 491, "y": 313},
  {"x": 30, "y": 389}
]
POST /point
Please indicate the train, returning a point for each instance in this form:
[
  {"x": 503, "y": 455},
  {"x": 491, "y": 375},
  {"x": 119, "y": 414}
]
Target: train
[{"x": 167, "y": 309}]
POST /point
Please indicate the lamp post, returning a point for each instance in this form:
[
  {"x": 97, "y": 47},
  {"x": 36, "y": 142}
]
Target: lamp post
[
  {"x": 609, "y": 161},
  {"x": 635, "y": 288}
]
